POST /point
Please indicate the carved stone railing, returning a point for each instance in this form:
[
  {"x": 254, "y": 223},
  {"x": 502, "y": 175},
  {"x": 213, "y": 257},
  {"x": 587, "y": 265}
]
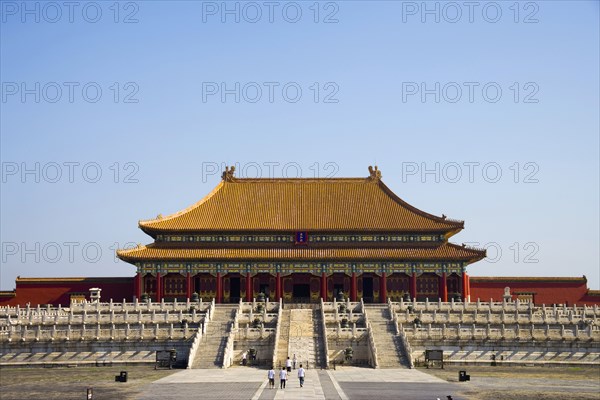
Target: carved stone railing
[
  {"x": 40, "y": 333},
  {"x": 372, "y": 348},
  {"x": 583, "y": 312},
  {"x": 109, "y": 313},
  {"x": 233, "y": 329},
  {"x": 406, "y": 346},
  {"x": 195, "y": 345},
  {"x": 324, "y": 335},
  {"x": 104, "y": 307},
  {"x": 277, "y": 332},
  {"x": 503, "y": 332}
]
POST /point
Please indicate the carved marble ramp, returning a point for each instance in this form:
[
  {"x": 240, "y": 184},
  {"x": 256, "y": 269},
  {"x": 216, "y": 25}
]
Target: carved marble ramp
[{"x": 301, "y": 340}]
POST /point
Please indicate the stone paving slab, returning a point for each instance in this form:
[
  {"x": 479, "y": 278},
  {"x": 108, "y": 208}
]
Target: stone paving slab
[
  {"x": 215, "y": 375},
  {"x": 312, "y": 389},
  {"x": 352, "y": 374},
  {"x": 202, "y": 390},
  {"x": 347, "y": 383},
  {"x": 399, "y": 391}
]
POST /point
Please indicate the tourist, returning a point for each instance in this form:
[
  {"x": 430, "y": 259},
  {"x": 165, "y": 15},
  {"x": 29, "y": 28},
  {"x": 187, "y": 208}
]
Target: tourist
[
  {"x": 271, "y": 376},
  {"x": 288, "y": 365},
  {"x": 244, "y": 358},
  {"x": 282, "y": 378},
  {"x": 294, "y": 361},
  {"x": 301, "y": 374}
]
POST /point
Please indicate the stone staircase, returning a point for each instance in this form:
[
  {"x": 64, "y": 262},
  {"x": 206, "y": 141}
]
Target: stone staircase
[
  {"x": 283, "y": 340},
  {"x": 212, "y": 346},
  {"x": 389, "y": 353}
]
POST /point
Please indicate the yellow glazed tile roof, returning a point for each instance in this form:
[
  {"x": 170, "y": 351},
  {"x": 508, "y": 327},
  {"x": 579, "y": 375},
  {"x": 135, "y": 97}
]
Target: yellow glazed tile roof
[
  {"x": 446, "y": 251},
  {"x": 326, "y": 204}
]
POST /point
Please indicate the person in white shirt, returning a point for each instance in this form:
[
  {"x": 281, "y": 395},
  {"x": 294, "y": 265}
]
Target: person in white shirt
[
  {"x": 282, "y": 378},
  {"x": 271, "y": 376},
  {"x": 288, "y": 365},
  {"x": 301, "y": 374},
  {"x": 294, "y": 360}
]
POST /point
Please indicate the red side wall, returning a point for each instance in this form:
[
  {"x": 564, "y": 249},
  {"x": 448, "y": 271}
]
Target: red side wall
[
  {"x": 545, "y": 290},
  {"x": 58, "y": 291}
]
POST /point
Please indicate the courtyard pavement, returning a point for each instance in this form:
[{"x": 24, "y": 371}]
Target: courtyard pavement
[{"x": 346, "y": 383}]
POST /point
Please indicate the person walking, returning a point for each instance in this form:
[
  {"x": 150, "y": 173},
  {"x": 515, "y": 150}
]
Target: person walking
[
  {"x": 294, "y": 361},
  {"x": 271, "y": 376},
  {"x": 282, "y": 378},
  {"x": 288, "y": 365},
  {"x": 301, "y": 374},
  {"x": 244, "y": 358}
]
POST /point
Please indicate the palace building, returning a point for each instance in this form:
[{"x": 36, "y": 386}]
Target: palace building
[{"x": 301, "y": 240}]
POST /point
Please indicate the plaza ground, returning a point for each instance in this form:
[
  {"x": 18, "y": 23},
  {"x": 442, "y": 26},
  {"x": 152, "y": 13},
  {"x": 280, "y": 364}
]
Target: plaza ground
[{"x": 351, "y": 383}]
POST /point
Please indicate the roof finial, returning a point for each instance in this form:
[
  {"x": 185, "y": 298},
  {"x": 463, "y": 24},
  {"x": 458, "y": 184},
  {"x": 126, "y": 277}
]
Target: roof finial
[
  {"x": 374, "y": 173},
  {"x": 228, "y": 174}
]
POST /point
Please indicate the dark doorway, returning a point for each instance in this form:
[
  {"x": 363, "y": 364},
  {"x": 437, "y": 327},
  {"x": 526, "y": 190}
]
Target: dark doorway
[
  {"x": 264, "y": 288},
  {"x": 301, "y": 293},
  {"x": 368, "y": 289},
  {"x": 234, "y": 294},
  {"x": 337, "y": 289}
]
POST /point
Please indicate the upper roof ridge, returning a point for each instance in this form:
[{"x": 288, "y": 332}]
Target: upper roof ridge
[{"x": 311, "y": 204}]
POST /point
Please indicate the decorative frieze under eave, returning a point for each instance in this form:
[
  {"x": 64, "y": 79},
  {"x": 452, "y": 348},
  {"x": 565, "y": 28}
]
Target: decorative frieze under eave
[{"x": 315, "y": 268}]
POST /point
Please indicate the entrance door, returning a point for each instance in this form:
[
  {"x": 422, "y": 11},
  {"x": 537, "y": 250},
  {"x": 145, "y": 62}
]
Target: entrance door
[
  {"x": 301, "y": 293},
  {"x": 264, "y": 288},
  {"x": 368, "y": 289},
  {"x": 337, "y": 289},
  {"x": 234, "y": 283}
]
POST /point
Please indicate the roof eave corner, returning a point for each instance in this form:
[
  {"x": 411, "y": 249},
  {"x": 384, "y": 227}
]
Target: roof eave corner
[{"x": 147, "y": 229}]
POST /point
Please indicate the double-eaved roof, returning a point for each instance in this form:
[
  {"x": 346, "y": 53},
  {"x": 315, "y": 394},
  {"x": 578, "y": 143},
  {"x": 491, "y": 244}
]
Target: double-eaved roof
[{"x": 318, "y": 205}]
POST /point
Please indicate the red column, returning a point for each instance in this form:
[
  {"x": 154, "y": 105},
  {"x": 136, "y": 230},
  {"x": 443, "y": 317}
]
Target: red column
[
  {"x": 383, "y": 288},
  {"x": 219, "y": 288},
  {"x": 249, "y": 293},
  {"x": 444, "y": 287},
  {"x": 353, "y": 287},
  {"x": 138, "y": 286},
  {"x": 278, "y": 293},
  {"x": 158, "y": 287},
  {"x": 188, "y": 285},
  {"x": 324, "y": 286},
  {"x": 413, "y": 286},
  {"x": 465, "y": 286}
]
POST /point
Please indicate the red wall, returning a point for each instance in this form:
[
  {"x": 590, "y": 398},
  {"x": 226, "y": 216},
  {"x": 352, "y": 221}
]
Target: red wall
[
  {"x": 58, "y": 290},
  {"x": 546, "y": 290}
]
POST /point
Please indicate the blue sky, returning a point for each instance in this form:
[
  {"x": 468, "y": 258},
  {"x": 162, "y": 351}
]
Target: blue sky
[{"x": 500, "y": 103}]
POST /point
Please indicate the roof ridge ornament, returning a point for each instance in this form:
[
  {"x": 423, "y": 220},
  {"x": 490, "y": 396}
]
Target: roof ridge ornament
[
  {"x": 228, "y": 174},
  {"x": 374, "y": 173}
]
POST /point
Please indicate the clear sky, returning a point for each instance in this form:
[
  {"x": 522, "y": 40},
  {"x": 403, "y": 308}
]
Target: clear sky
[{"x": 112, "y": 112}]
